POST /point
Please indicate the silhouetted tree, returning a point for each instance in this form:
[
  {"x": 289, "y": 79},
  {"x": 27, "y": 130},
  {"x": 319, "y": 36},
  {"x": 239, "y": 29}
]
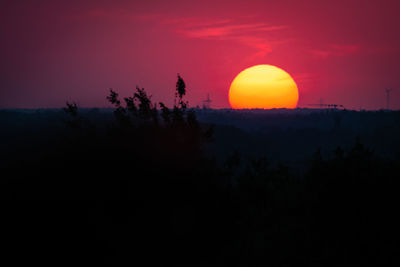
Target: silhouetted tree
[
  {"x": 71, "y": 109},
  {"x": 165, "y": 113},
  {"x": 130, "y": 105},
  {"x": 180, "y": 92},
  {"x": 120, "y": 112},
  {"x": 146, "y": 108}
]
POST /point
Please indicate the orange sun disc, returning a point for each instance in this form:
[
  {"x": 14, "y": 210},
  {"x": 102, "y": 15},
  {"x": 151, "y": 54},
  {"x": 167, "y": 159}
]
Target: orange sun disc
[{"x": 263, "y": 87}]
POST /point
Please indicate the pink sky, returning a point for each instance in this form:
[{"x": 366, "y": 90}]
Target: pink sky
[{"x": 345, "y": 52}]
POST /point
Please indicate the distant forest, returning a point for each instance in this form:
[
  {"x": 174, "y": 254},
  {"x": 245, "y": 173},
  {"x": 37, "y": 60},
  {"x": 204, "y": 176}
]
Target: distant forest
[
  {"x": 142, "y": 182},
  {"x": 283, "y": 136}
]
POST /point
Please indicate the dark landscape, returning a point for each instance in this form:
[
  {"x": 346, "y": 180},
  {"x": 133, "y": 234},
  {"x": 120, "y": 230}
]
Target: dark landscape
[{"x": 199, "y": 187}]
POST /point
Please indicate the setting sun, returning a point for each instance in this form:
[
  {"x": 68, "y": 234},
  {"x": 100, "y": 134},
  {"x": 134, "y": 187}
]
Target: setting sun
[{"x": 264, "y": 87}]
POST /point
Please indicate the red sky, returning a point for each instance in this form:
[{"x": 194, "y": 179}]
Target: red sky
[{"x": 345, "y": 52}]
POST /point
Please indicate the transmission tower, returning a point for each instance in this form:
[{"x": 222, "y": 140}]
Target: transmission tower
[{"x": 207, "y": 102}]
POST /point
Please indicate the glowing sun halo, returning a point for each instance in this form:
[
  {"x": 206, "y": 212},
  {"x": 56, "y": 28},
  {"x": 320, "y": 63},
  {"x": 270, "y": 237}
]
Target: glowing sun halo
[{"x": 264, "y": 87}]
